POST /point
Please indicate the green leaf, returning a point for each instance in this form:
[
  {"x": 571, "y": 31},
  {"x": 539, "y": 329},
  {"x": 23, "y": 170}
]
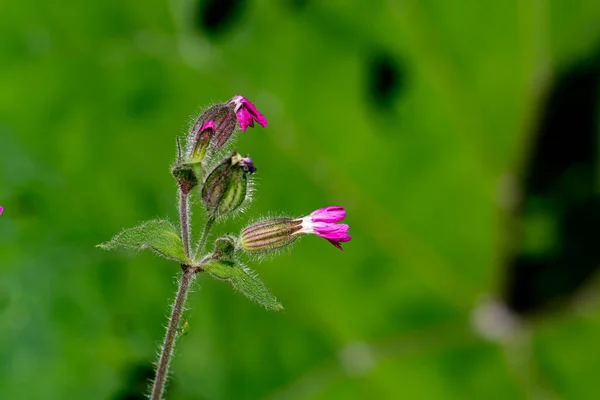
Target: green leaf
[
  {"x": 245, "y": 281},
  {"x": 157, "y": 235}
]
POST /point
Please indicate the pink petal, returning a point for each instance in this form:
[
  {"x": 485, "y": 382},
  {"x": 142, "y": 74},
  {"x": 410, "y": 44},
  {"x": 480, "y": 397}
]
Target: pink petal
[
  {"x": 247, "y": 113},
  {"x": 208, "y": 125},
  {"x": 336, "y": 244},
  {"x": 254, "y": 112},
  {"x": 336, "y": 232},
  {"x": 328, "y": 214},
  {"x": 245, "y": 119},
  {"x": 262, "y": 121}
]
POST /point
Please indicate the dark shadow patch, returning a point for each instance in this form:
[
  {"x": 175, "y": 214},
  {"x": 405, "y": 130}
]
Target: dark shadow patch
[
  {"x": 560, "y": 187},
  {"x": 214, "y": 17},
  {"x": 138, "y": 384},
  {"x": 385, "y": 80}
]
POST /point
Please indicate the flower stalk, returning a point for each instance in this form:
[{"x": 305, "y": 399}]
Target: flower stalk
[
  {"x": 184, "y": 221},
  {"x": 204, "y": 238},
  {"x": 166, "y": 353}
]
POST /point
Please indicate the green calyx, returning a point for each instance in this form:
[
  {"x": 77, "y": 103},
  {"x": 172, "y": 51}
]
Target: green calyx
[{"x": 226, "y": 187}]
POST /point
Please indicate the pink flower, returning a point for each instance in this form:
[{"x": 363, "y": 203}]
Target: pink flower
[
  {"x": 247, "y": 113},
  {"x": 1, "y": 209},
  {"x": 322, "y": 222}
]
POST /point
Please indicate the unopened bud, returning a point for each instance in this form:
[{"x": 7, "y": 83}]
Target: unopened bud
[
  {"x": 214, "y": 127},
  {"x": 224, "y": 248},
  {"x": 270, "y": 235},
  {"x": 226, "y": 187},
  {"x": 203, "y": 139},
  {"x": 185, "y": 177}
]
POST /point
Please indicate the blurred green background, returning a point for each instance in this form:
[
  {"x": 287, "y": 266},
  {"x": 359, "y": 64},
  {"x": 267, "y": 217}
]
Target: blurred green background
[{"x": 420, "y": 117}]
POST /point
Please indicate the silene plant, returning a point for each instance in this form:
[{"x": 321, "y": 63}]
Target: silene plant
[{"x": 223, "y": 182}]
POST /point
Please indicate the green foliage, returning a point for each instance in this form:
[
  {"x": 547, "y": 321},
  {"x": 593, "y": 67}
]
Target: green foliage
[
  {"x": 245, "y": 281},
  {"x": 159, "y": 236},
  {"x": 92, "y": 95}
]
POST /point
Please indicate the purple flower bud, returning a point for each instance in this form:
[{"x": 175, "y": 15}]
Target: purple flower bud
[
  {"x": 247, "y": 113},
  {"x": 280, "y": 232},
  {"x": 223, "y": 119}
]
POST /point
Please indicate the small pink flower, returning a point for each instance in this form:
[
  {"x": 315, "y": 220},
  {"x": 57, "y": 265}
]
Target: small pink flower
[
  {"x": 322, "y": 222},
  {"x": 1, "y": 209},
  {"x": 247, "y": 113}
]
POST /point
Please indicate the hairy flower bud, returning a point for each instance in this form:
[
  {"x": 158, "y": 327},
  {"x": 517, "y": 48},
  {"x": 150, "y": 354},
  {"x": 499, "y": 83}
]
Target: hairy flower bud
[
  {"x": 270, "y": 235},
  {"x": 226, "y": 187},
  {"x": 213, "y": 128}
]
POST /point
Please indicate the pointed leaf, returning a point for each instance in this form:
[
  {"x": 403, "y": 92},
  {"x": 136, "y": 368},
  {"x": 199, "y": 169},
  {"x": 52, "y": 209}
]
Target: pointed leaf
[
  {"x": 157, "y": 235},
  {"x": 245, "y": 281}
]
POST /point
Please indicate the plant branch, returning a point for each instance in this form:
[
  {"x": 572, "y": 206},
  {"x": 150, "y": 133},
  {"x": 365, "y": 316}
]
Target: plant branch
[
  {"x": 167, "y": 348},
  {"x": 204, "y": 237}
]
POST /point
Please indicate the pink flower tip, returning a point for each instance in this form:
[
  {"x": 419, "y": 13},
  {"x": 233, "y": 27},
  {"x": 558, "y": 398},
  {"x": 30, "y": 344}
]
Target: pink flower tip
[
  {"x": 322, "y": 222},
  {"x": 1, "y": 209},
  {"x": 247, "y": 113},
  {"x": 208, "y": 125}
]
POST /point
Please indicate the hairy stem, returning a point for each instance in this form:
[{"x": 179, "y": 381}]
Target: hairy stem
[
  {"x": 167, "y": 348},
  {"x": 204, "y": 237},
  {"x": 184, "y": 221}
]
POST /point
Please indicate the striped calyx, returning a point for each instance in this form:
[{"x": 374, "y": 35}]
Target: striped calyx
[{"x": 270, "y": 235}]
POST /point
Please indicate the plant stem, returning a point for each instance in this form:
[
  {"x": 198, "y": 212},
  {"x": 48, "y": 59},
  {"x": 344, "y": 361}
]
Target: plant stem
[
  {"x": 167, "y": 348},
  {"x": 184, "y": 222},
  {"x": 187, "y": 277},
  {"x": 204, "y": 237}
]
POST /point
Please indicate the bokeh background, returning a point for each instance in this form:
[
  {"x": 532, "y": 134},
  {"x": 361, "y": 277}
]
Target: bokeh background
[{"x": 461, "y": 137}]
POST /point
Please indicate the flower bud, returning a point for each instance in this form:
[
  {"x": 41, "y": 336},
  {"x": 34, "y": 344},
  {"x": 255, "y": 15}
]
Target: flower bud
[
  {"x": 224, "y": 248},
  {"x": 213, "y": 127},
  {"x": 226, "y": 187},
  {"x": 270, "y": 235},
  {"x": 203, "y": 139},
  {"x": 185, "y": 177}
]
